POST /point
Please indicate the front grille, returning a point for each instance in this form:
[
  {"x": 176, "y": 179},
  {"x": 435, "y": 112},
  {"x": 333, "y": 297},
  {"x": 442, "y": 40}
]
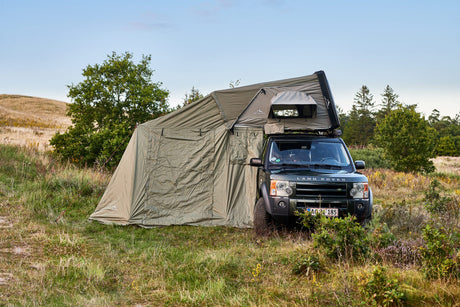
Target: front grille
[{"x": 324, "y": 191}]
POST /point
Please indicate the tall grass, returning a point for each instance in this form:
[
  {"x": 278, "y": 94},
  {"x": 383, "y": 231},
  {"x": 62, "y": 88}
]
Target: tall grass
[{"x": 52, "y": 255}]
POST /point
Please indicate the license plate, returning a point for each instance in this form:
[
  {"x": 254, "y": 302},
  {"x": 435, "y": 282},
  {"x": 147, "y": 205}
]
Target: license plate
[{"x": 331, "y": 212}]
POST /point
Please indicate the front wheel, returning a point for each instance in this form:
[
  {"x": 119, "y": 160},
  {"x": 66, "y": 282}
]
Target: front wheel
[{"x": 262, "y": 220}]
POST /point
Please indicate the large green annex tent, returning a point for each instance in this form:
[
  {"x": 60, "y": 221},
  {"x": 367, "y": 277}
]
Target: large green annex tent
[{"x": 191, "y": 167}]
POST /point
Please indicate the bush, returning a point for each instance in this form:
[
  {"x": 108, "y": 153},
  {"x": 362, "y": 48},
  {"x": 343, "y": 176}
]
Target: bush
[
  {"x": 434, "y": 202},
  {"x": 342, "y": 239},
  {"x": 443, "y": 209},
  {"x": 440, "y": 256},
  {"x": 407, "y": 139},
  {"x": 309, "y": 221},
  {"x": 380, "y": 236},
  {"x": 374, "y": 157},
  {"x": 308, "y": 264},
  {"x": 381, "y": 289}
]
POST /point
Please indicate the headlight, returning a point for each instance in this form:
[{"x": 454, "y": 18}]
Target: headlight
[
  {"x": 360, "y": 190},
  {"x": 280, "y": 188}
]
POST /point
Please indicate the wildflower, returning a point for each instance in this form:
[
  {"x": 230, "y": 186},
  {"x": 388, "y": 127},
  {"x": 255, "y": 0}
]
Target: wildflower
[{"x": 256, "y": 272}]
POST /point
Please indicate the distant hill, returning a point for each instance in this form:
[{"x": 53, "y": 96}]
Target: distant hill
[
  {"x": 31, "y": 121},
  {"x": 26, "y": 111}
]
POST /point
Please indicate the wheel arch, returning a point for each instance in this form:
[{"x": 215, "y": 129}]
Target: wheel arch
[{"x": 264, "y": 194}]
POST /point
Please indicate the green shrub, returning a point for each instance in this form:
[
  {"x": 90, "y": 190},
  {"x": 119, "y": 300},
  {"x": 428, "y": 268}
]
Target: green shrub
[
  {"x": 443, "y": 209},
  {"x": 309, "y": 221},
  {"x": 440, "y": 256},
  {"x": 434, "y": 202},
  {"x": 342, "y": 239},
  {"x": 382, "y": 290},
  {"x": 374, "y": 157},
  {"x": 407, "y": 139},
  {"x": 307, "y": 264},
  {"x": 381, "y": 235}
]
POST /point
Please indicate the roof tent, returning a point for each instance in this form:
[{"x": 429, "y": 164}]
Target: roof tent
[
  {"x": 191, "y": 167},
  {"x": 308, "y": 107}
]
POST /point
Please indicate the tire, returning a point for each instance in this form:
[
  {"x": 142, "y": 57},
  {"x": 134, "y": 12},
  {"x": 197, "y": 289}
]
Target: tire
[
  {"x": 365, "y": 222},
  {"x": 262, "y": 220}
]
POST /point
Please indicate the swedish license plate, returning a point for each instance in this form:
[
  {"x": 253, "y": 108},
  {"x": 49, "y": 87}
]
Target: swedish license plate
[{"x": 331, "y": 212}]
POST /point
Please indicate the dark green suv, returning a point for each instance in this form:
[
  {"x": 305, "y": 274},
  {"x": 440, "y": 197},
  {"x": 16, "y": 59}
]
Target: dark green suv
[{"x": 316, "y": 173}]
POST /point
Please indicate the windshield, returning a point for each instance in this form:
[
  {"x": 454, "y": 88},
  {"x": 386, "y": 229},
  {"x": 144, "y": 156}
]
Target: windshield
[{"x": 309, "y": 154}]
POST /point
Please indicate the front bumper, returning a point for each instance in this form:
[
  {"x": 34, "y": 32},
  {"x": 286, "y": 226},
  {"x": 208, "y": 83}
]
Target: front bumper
[{"x": 284, "y": 209}]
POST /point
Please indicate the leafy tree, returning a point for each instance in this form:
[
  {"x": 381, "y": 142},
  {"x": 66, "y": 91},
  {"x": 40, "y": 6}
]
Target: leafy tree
[
  {"x": 194, "y": 95},
  {"x": 107, "y": 105},
  {"x": 361, "y": 121},
  {"x": 407, "y": 139}
]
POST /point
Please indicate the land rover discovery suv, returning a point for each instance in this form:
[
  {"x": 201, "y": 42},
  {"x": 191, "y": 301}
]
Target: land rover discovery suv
[{"x": 316, "y": 173}]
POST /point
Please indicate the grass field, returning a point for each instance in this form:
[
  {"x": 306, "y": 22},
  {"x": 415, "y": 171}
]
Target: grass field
[{"x": 50, "y": 254}]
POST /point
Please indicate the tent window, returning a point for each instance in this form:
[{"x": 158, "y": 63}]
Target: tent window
[
  {"x": 293, "y": 111},
  {"x": 286, "y": 112}
]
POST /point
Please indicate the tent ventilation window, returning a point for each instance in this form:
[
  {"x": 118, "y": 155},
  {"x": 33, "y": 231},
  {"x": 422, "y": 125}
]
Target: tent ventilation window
[
  {"x": 294, "y": 111},
  {"x": 291, "y": 104}
]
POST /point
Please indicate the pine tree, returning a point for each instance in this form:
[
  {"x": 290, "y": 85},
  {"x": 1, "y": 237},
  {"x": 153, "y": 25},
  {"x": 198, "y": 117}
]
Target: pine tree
[
  {"x": 361, "y": 121},
  {"x": 389, "y": 103}
]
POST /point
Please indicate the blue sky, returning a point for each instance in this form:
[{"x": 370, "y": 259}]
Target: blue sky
[{"x": 413, "y": 46}]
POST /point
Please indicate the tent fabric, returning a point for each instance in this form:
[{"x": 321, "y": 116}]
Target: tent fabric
[
  {"x": 292, "y": 98},
  {"x": 191, "y": 167}
]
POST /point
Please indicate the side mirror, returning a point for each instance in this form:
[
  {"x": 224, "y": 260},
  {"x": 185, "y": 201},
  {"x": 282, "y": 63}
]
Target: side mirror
[
  {"x": 359, "y": 164},
  {"x": 256, "y": 162}
]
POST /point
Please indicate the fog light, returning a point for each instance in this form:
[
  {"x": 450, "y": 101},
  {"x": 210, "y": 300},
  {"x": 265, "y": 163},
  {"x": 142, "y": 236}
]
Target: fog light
[
  {"x": 360, "y": 206},
  {"x": 282, "y": 204}
]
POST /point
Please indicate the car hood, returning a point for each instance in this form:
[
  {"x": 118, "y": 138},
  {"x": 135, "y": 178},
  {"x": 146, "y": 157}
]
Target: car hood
[{"x": 318, "y": 175}]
